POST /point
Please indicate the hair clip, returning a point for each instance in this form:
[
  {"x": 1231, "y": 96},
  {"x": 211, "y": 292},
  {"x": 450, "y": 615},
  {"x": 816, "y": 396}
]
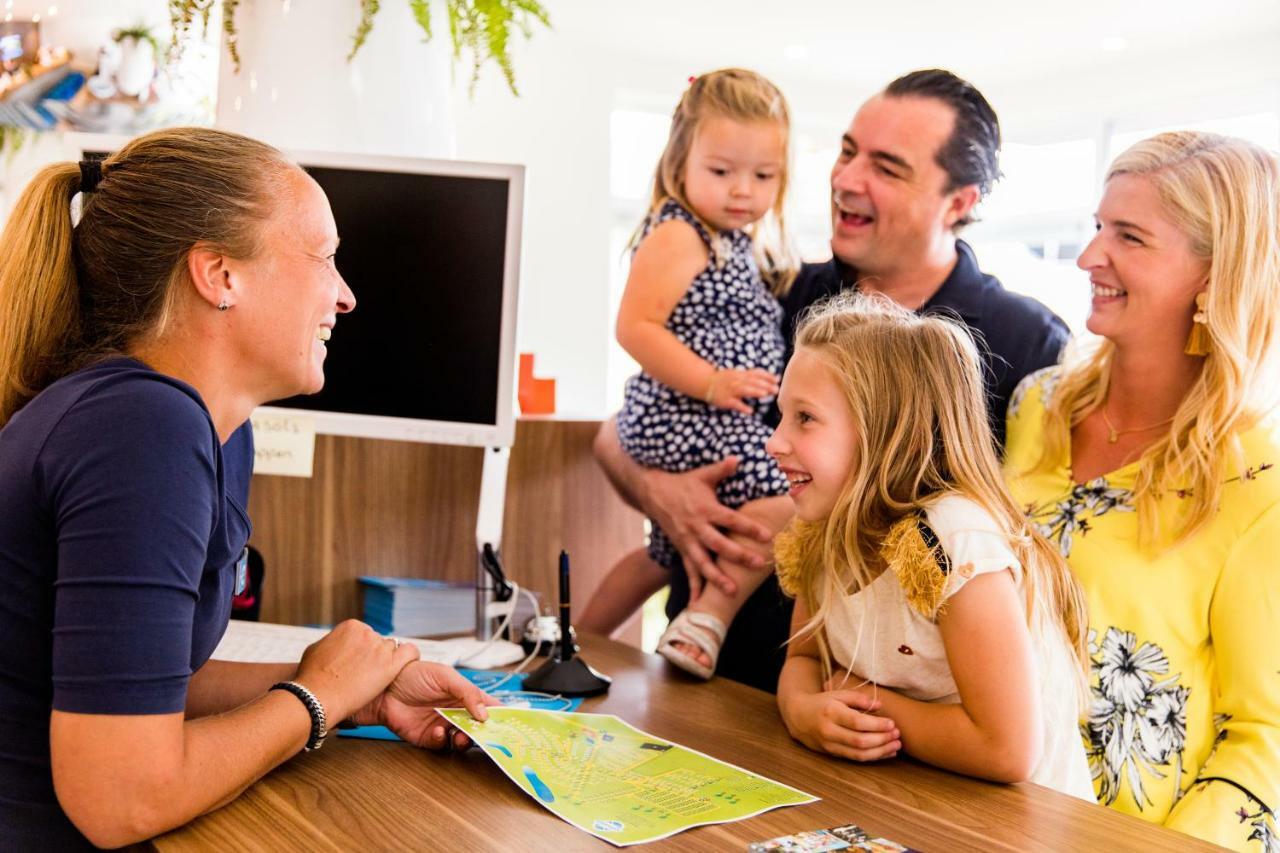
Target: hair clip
[{"x": 693, "y": 78}]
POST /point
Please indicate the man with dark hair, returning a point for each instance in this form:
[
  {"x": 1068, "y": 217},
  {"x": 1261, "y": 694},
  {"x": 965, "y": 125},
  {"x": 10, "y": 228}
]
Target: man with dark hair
[
  {"x": 971, "y": 154},
  {"x": 915, "y": 161}
]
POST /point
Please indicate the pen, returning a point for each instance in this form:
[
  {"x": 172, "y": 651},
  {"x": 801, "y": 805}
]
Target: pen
[{"x": 566, "y": 639}]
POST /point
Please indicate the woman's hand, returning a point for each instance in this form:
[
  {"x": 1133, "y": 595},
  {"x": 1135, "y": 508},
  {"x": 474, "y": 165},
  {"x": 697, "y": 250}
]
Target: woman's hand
[
  {"x": 407, "y": 706},
  {"x": 730, "y": 388},
  {"x": 350, "y": 666},
  {"x": 841, "y": 722}
]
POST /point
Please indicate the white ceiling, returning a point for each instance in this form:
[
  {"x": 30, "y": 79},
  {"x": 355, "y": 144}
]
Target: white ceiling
[{"x": 847, "y": 41}]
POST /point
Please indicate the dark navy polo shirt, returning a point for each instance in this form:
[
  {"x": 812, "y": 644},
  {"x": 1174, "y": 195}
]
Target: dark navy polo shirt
[
  {"x": 121, "y": 518},
  {"x": 1016, "y": 335}
]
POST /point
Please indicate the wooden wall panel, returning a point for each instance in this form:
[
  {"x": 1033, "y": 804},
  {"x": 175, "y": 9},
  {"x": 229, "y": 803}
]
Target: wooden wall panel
[
  {"x": 400, "y": 508},
  {"x": 558, "y": 498}
]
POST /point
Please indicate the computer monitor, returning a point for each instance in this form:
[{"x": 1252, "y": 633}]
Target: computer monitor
[{"x": 431, "y": 249}]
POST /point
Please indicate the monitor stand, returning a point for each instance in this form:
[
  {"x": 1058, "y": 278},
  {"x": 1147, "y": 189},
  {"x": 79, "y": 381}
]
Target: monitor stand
[{"x": 493, "y": 499}]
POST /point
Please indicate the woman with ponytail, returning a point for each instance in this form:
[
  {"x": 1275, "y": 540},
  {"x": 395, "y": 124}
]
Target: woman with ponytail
[{"x": 148, "y": 303}]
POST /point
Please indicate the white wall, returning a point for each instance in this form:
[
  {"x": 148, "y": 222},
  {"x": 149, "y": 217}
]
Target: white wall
[
  {"x": 572, "y": 78},
  {"x": 559, "y": 130}
]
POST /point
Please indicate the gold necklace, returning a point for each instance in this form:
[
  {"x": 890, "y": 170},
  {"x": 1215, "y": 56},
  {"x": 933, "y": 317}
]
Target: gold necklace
[{"x": 1113, "y": 434}]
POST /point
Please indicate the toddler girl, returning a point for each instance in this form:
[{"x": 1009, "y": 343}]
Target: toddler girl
[{"x": 700, "y": 314}]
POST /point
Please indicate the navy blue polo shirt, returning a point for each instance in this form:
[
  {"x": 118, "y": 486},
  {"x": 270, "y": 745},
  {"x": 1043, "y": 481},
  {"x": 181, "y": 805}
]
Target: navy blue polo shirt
[
  {"x": 121, "y": 518},
  {"x": 1016, "y": 335}
]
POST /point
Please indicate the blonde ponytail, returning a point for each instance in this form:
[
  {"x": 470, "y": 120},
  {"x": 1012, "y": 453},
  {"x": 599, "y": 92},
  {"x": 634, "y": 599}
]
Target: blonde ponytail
[{"x": 39, "y": 300}]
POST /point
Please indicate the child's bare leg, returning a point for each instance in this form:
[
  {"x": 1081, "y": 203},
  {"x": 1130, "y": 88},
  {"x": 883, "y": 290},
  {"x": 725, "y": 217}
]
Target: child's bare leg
[
  {"x": 774, "y": 513},
  {"x": 627, "y": 586}
]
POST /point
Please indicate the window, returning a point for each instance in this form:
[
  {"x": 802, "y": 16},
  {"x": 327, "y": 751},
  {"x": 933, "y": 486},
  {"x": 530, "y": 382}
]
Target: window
[{"x": 1260, "y": 128}]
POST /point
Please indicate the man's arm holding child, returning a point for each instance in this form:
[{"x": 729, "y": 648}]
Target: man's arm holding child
[{"x": 686, "y": 508}]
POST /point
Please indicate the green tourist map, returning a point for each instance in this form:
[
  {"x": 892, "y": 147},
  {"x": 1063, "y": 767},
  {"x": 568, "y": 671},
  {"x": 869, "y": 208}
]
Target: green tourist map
[{"x": 615, "y": 781}]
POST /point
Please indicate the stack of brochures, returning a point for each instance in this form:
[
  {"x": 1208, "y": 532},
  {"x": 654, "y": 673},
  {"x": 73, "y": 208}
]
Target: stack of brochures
[{"x": 414, "y": 607}]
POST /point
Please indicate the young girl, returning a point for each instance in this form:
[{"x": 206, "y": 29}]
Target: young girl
[
  {"x": 705, "y": 327},
  {"x": 929, "y": 617}
]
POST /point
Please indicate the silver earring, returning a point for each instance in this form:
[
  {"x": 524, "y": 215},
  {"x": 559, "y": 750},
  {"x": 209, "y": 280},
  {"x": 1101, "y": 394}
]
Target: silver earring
[{"x": 223, "y": 305}]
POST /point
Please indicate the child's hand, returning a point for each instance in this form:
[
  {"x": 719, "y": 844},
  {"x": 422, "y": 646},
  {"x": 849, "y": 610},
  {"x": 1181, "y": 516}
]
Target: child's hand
[
  {"x": 842, "y": 722},
  {"x": 729, "y": 388}
]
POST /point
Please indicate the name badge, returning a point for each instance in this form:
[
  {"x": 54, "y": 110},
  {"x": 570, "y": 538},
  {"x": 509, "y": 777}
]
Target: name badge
[{"x": 242, "y": 572}]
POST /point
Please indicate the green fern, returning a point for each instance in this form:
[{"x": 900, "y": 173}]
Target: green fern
[
  {"x": 229, "y": 27},
  {"x": 422, "y": 14},
  {"x": 368, "y": 8},
  {"x": 481, "y": 28},
  {"x": 182, "y": 15}
]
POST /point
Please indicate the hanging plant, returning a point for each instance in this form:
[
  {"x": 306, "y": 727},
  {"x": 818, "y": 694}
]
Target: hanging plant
[
  {"x": 182, "y": 15},
  {"x": 482, "y": 28}
]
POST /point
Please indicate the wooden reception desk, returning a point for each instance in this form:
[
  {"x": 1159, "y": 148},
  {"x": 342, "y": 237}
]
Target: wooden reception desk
[{"x": 405, "y": 509}]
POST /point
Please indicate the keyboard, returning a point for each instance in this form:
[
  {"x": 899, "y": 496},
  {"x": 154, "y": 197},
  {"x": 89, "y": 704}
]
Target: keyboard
[{"x": 265, "y": 642}]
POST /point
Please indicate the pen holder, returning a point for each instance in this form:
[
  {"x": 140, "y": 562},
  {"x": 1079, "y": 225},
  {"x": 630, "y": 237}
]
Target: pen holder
[
  {"x": 570, "y": 677},
  {"x": 565, "y": 673}
]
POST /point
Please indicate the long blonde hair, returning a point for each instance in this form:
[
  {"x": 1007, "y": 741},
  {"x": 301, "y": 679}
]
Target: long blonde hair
[
  {"x": 914, "y": 387},
  {"x": 739, "y": 95},
  {"x": 71, "y": 294},
  {"x": 1224, "y": 194}
]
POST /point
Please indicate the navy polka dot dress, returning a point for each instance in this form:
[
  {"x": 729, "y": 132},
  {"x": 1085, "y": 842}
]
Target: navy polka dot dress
[{"x": 729, "y": 318}]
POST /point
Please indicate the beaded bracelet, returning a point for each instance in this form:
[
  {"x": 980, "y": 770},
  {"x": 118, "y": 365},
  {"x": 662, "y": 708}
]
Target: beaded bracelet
[{"x": 318, "y": 724}]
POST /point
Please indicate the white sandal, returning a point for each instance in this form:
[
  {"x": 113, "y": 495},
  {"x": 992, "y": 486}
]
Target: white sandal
[{"x": 696, "y": 629}]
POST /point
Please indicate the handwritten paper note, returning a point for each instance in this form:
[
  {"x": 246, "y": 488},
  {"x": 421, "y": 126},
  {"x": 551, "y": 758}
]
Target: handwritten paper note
[{"x": 283, "y": 444}]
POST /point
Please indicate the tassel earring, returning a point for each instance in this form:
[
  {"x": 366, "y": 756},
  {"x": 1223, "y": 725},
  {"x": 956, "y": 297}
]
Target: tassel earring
[{"x": 1199, "y": 342}]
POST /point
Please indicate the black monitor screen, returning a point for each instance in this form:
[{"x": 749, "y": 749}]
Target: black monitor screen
[{"x": 424, "y": 255}]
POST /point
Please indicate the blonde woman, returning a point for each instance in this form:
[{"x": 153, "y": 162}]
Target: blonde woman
[
  {"x": 701, "y": 316},
  {"x": 955, "y": 633},
  {"x": 198, "y": 282},
  {"x": 1149, "y": 461}
]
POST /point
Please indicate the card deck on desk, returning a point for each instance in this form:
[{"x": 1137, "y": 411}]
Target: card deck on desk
[{"x": 849, "y": 837}]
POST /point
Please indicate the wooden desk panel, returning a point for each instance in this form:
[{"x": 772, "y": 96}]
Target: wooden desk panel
[
  {"x": 375, "y": 795},
  {"x": 407, "y": 509}
]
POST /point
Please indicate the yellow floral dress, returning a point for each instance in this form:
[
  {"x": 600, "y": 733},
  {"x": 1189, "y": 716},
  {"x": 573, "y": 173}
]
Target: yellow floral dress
[{"x": 1183, "y": 725}]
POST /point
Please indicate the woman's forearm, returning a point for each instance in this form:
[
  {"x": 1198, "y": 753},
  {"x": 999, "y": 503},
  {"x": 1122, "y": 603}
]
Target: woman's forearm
[
  {"x": 221, "y": 686},
  {"x": 125, "y": 779}
]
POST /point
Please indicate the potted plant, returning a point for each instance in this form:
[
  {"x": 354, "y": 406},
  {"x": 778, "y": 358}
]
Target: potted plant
[
  {"x": 139, "y": 52},
  {"x": 481, "y": 28}
]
